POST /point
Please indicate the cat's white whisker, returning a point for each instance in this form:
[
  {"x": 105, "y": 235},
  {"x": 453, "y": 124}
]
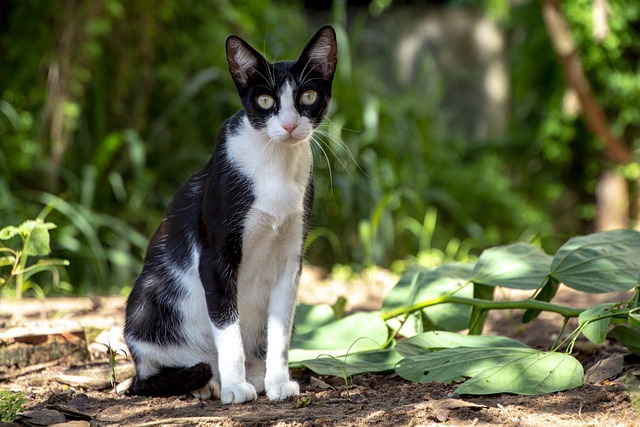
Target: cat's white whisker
[{"x": 324, "y": 153}]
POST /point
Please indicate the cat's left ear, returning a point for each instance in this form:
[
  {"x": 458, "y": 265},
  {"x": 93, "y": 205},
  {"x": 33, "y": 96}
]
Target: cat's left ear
[
  {"x": 244, "y": 61},
  {"x": 320, "y": 55}
]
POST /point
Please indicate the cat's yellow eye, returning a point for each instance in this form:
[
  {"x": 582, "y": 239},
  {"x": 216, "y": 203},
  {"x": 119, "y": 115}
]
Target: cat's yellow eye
[
  {"x": 309, "y": 97},
  {"x": 265, "y": 101}
]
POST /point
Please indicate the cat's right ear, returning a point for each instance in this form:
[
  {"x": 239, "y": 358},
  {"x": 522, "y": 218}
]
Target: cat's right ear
[{"x": 244, "y": 61}]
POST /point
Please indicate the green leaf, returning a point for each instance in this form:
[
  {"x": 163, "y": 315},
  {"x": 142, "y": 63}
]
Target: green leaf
[
  {"x": 311, "y": 317},
  {"x": 357, "y": 332},
  {"x": 496, "y": 370},
  {"x": 35, "y": 233},
  {"x": 7, "y": 260},
  {"x": 8, "y": 232},
  {"x": 44, "y": 265},
  {"x": 530, "y": 375},
  {"x": 629, "y": 337},
  {"x": 595, "y": 330},
  {"x": 438, "y": 340},
  {"x": 421, "y": 284},
  {"x": 634, "y": 318},
  {"x": 519, "y": 266},
  {"x": 600, "y": 262},
  {"x": 38, "y": 242},
  {"x": 376, "y": 361}
]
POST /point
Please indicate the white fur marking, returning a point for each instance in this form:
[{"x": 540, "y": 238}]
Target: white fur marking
[{"x": 233, "y": 386}]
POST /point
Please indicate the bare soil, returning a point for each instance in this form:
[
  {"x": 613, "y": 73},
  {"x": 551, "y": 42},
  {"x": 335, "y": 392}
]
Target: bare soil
[{"x": 383, "y": 400}]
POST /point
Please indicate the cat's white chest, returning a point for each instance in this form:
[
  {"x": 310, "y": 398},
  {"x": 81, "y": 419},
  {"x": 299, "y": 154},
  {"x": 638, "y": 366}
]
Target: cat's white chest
[{"x": 279, "y": 174}]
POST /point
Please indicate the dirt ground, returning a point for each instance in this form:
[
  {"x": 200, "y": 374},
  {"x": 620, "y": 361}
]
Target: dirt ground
[{"x": 383, "y": 400}]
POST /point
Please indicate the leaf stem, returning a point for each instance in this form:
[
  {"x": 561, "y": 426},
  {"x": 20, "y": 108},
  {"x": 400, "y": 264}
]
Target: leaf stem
[{"x": 486, "y": 305}]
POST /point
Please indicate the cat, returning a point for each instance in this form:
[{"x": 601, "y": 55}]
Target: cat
[{"x": 212, "y": 310}]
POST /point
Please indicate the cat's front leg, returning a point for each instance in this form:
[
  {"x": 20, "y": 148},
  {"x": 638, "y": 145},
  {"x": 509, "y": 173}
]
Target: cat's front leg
[
  {"x": 233, "y": 385},
  {"x": 281, "y": 310},
  {"x": 222, "y": 307}
]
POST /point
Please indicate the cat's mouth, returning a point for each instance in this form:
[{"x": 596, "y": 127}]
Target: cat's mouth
[{"x": 292, "y": 139}]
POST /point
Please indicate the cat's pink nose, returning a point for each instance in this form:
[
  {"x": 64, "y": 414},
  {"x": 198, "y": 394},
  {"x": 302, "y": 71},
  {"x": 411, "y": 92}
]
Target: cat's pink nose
[{"x": 290, "y": 127}]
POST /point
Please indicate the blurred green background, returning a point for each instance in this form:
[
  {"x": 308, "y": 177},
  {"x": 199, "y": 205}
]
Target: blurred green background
[{"x": 452, "y": 128}]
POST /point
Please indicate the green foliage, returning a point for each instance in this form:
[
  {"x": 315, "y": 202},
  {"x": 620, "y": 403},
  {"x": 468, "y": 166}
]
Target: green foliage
[
  {"x": 144, "y": 86},
  {"x": 496, "y": 364},
  {"x": 485, "y": 365},
  {"x": 11, "y": 403},
  {"x": 374, "y": 361},
  {"x": 420, "y": 284},
  {"x": 140, "y": 106},
  {"x": 34, "y": 237},
  {"x": 357, "y": 332},
  {"x": 601, "y": 262},
  {"x": 496, "y": 370}
]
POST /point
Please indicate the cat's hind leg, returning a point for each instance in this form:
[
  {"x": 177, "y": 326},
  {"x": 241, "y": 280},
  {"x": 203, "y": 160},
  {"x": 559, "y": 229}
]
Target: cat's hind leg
[
  {"x": 169, "y": 381},
  {"x": 210, "y": 390}
]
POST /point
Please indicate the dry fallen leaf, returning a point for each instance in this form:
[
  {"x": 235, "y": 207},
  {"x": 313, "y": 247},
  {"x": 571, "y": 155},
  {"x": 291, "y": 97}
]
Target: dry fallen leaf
[{"x": 605, "y": 369}]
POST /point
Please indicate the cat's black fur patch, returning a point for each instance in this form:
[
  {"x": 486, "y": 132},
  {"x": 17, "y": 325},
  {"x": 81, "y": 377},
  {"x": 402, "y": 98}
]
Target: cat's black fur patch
[{"x": 172, "y": 381}]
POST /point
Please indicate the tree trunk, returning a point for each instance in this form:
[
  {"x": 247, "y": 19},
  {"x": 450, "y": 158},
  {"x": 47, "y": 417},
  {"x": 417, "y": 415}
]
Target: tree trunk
[
  {"x": 612, "y": 196},
  {"x": 565, "y": 47}
]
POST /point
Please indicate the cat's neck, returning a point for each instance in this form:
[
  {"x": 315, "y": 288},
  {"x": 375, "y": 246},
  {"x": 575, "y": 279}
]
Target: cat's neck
[
  {"x": 279, "y": 172},
  {"x": 252, "y": 152}
]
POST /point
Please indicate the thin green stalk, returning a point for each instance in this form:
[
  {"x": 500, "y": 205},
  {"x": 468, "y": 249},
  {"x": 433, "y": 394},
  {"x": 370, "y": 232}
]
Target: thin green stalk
[
  {"x": 555, "y": 345},
  {"x": 18, "y": 271},
  {"x": 486, "y": 305},
  {"x": 573, "y": 336},
  {"x": 393, "y": 336}
]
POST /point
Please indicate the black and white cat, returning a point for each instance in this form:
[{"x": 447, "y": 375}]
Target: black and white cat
[{"x": 212, "y": 310}]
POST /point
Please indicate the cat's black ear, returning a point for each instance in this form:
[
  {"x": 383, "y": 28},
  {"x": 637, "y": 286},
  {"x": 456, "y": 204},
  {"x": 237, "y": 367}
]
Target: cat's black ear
[
  {"x": 244, "y": 61},
  {"x": 321, "y": 52}
]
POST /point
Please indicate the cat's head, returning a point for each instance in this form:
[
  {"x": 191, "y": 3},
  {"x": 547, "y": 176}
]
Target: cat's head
[{"x": 285, "y": 100}]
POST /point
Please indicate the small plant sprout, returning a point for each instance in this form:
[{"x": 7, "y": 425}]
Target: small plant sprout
[
  {"x": 11, "y": 403},
  {"x": 112, "y": 363},
  {"x": 35, "y": 238}
]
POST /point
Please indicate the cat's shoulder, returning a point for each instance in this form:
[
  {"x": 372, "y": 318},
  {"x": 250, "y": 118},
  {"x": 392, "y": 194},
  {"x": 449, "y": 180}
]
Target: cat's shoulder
[{"x": 234, "y": 125}]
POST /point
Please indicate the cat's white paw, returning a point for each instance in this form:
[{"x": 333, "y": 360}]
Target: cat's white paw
[
  {"x": 212, "y": 389},
  {"x": 283, "y": 390},
  {"x": 239, "y": 393},
  {"x": 257, "y": 382}
]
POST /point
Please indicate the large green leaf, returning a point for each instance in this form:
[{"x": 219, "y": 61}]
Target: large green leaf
[
  {"x": 496, "y": 370},
  {"x": 421, "y": 284},
  {"x": 310, "y": 317},
  {"x": 354, "y": 333},
  {"x": 376, "y": 361},
  {"x": 600, "y": 262},
  {"x": 520, "y": 266},
  {"x": 594, "y": 328},
  {"x": 438, "y": 340}
]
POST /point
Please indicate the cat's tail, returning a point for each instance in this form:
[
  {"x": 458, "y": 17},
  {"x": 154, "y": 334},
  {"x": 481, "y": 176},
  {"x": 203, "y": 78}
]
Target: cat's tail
[{"x": 172, "y": 381}]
